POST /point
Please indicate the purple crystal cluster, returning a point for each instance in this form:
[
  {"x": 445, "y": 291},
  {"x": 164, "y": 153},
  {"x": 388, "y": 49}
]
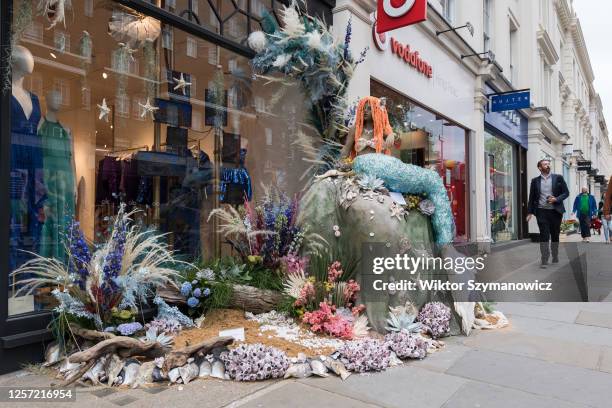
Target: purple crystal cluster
[
  {"x": 407, "y": 345},
  {"x": 254, "y": 362},
  {"x": 167, "y": 326},
  {"x": 127, "y": 329},
  {"x": 365, "y": 355},
  {"x": 436, "y": 317}
]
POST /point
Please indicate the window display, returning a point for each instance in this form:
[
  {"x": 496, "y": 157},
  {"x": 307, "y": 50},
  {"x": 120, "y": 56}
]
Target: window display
[
  {"x": 109, "y": 108},
  {"x": 428, "y": 140}
]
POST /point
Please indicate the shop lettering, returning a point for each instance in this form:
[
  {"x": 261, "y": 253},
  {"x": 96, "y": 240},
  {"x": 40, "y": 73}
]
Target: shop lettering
[{"x": 412, "y": 58}]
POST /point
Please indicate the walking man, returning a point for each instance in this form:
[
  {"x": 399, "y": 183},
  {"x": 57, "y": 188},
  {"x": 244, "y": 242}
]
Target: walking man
[
  {"x": 585, "y": 208},
  {"x": 607, "y": 214},
  {"x": 546, "y": 196}
]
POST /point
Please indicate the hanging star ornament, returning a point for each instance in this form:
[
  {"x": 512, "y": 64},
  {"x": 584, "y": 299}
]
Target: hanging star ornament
[
  {"x": 148, "y": 108},
  {"x": 181, "y": 83},
  {"x": 104, "y": 110}
]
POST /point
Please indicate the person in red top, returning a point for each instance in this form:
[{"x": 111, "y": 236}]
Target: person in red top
[{"x": 607, "y": 214}]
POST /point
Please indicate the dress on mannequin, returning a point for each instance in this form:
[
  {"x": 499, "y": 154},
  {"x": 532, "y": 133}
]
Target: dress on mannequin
[
  {"x": 60, "y": 184},
  {"x": 27, "y": 190}
]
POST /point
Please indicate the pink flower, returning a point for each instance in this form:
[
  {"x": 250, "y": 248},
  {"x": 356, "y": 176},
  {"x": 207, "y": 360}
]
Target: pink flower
[
  {"x": 350, "y": 292},
  {"x": 334, "y": 272},
  {"x": 294, "y": 264},
  {"x": 306, "y": 294},
  {"x": 324, "y": 320}
]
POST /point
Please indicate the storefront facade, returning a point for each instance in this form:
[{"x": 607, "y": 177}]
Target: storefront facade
[
  {"x": 147, "y": 103},
  {"x": 506, "y": 145}
]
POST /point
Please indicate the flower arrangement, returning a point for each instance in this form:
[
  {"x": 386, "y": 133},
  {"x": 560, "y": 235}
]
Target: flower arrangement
[
  {"x": 253, "y": 362},
  {"x": 407, "y": 345},
  {"x": 196, "y": 292},
  {"x": 102, "y": 286},
  {"x": 435, "y": 316},
  {"x": 365, "y": 355},
  {"x": 325, "y": 320}
]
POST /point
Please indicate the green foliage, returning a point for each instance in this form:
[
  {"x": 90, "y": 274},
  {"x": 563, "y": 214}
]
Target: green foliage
[{"x": 488, "y": 307}]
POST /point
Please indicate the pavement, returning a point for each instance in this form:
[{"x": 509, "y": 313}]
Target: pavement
[{"x": 553, "y": 355}]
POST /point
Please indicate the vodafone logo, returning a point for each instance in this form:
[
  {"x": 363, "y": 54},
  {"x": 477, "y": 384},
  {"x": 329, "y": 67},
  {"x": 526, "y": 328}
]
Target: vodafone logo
[
  {"x": 393, "y": 14},
  {"x": 399, "y": 10},
  {"x": 381, "y": 41}
]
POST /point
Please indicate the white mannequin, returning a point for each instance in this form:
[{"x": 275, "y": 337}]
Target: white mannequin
[
  {"x": 54, "y": 101},
  {"x": 22, "y": 65}
]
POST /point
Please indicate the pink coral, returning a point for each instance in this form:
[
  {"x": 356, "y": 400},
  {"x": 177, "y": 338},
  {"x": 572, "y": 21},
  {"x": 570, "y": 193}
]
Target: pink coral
[
  {"x": 324, "y": 320},
  {"x": 334, "y": 272},
  {"x": 351, "y": 290},
  {"x": 306, "y": 294},
  {"x": 294, "y": 264}
]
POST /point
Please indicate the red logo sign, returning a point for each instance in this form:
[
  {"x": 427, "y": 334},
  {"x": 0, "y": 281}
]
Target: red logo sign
[{"x": 394, "y": 14}]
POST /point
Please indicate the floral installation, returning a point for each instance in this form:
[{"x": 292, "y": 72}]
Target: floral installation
[
  {"x": 325, "y": 320},
  {"x": 167, "y": 326},
  {"x": 436, "y": 316},
  {"x": 196, "y": 292},
  {"x": 365, "y": 355},
  {"x": 407, "y": 345},
  {"x": 95, "y": 285},
  {"x": 255, "y": 362}
]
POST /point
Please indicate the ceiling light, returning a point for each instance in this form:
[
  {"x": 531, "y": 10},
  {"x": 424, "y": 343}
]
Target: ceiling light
[{"x": 104, "y": 75}]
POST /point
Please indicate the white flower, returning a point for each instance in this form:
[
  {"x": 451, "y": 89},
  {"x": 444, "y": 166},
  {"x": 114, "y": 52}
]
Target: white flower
[
  {"x": 294, "y": 283},
  {"x": 313, "y": 40},
  {"x": 292, "y": 22},
  {"x": 281, "y": 60},
  {"x": 257, "y": 41}
]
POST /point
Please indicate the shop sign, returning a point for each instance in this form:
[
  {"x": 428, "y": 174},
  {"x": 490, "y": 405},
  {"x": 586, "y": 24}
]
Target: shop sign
[
  {"x": 508, "y": 101},
  {"x": 584, "y": 165},
  {"x": 408, "y": 55},
  {"x": 600, "y": 179},
  {"x": 393, "y": 14}
]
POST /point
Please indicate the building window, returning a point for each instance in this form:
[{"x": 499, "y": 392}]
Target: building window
[
  {"x": 513, "y": 49},
  {"x": 63, "y": 87},
  {"x": 192, "y": 47},
  {"x": 34, "y": 32},
  {"x": 448, "y": 10},
  {"x": 88, "y": 8},
  {"x": 212, "y": 55},
  {"x": 488, "y": 24}
]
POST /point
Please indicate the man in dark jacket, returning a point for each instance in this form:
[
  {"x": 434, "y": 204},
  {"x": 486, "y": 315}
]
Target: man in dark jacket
[{"x": 546, "y": 196}]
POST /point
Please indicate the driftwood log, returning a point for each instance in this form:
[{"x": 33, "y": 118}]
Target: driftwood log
[
  {"x": 90, "y": 334},
  {"x": 123, "y": 346},
  {"x": 243, "y": 297},
  {"x": 178, "y": 358}
]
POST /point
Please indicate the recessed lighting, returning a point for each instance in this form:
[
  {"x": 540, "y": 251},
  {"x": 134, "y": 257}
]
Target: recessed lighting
[
  {"x": 104, "y": 75},
  {"x": 53, "y": 55},
  {"x": 111, "y": 126}
]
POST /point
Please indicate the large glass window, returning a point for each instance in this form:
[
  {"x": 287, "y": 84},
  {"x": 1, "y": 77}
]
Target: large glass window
[
  {"x": 432, "y": 141},
  {"x": 502, "y": 192},
  {"x": 113, "y": 109}
]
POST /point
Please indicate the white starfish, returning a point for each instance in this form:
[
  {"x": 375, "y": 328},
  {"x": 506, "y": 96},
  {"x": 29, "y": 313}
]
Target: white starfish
[
  {"x": 396, "y": 211},
  {"x": 181, "y": 83},
  {"x": 104, "y": 110},
  {"x": 148, "y": 108}
]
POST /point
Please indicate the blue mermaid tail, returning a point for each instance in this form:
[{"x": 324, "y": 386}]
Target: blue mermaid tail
[{"x": 409, "y": 179}]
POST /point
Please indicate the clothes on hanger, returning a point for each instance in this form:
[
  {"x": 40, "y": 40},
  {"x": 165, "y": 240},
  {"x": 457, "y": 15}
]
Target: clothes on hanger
[{"x": 236, "y": 184}]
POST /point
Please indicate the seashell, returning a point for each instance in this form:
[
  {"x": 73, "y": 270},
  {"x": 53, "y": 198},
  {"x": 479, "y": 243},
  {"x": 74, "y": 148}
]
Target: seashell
[
  {"x": 145, "y": 374},
  {"x": 130, "y": 372},
  {"x": 96, "y": 371},
  {"x": 394, "y": 360},
  {"x": 302, "y": 370},
  {"x": 189, "y": 372},
  {"x": 302, "y": 357},
  {"x": 339, "y": 368},
  {"x": 218, "y": 370},
  {"x": 158, "y": 375},
  {"x": 318, "y": 368},
  {"x": 68, "y": 369},
  {"x": 205, "y": 369},
  {"x": 113, "y": 368},
  {"x": 52, "y": 355},
  {"x": 174, "y": 375}
]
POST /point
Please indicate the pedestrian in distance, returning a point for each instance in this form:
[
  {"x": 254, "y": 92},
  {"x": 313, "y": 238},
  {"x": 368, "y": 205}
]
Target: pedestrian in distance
[
  {"x": 546, "y": 195},
  {"x": 607, "y": 214},
  {"x": 585, "y": 208}
]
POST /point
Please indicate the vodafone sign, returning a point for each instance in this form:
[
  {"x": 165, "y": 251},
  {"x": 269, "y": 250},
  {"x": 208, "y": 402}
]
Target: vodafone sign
[{"x": 394, "y": 14}]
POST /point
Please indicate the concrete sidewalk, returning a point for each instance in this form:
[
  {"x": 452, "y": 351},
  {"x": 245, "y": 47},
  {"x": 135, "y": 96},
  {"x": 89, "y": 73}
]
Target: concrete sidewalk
[{"x": 553, "y": 355}]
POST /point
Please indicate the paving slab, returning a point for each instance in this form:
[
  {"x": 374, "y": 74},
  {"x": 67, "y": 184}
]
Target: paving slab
[
  {"x": 598, "y": 319},
  {"x": 402, "y": 387},
  {"x": 605, "y": 362},
  {"x": 542, "y": 348},
  {"x": 477, "y": 394},
  {"x": 298, "y": 395},
  {"x": 443, "y": 359},
  {"x": 546, "y": 311},
  {"x": 552, "y": 380}
]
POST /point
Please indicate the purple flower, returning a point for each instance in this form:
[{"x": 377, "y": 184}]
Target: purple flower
[
  {"x": 207, "y": 292},
  {"x": 347, "y": 38},
  {"x": 186, "y": 289},
  {"x": 192, "y": 302},
  {"x": 127, "y": 329},
  {"x": 80, "y": 256},
  {"x": 197, "y": 292}
]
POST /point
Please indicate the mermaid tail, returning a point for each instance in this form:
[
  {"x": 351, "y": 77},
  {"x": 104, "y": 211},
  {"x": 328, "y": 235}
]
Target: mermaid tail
[{"x": 409, "y": 179}]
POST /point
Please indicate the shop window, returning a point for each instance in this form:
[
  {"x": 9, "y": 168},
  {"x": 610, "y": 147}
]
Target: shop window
[
  {"x": 88, "y": 8},
  {"x": 93, "y": 134},
  {"x": 192, "y": 47},
  {"x": 34, "y": 32}
]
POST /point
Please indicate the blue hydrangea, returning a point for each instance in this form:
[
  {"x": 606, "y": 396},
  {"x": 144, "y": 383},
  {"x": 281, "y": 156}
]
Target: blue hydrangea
[
  {"x": 207, "y": 292},
  {"x": 197, "y": 292},
  {"x": 192, "y": 302},
  {"x": 127, "y": 329},
  {"x": 186, "y": 289}
]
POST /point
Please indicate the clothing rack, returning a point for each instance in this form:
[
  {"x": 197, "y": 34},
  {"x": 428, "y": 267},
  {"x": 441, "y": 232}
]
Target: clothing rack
[{"x": 145, "y": 147}]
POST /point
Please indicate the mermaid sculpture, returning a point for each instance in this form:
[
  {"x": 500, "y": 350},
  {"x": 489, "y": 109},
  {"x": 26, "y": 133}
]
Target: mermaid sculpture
[{"x": 368, "y": 144}]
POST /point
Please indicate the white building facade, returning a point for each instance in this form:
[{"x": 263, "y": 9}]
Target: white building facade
[{"x": 438, "y": 89}]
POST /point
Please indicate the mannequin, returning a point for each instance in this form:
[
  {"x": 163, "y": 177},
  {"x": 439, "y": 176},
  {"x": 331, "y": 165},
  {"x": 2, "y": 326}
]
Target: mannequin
[
  {"x": 59, "y": 179},
  {"x": 27, "y": 184}
]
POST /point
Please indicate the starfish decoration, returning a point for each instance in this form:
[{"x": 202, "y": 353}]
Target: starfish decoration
[
  {"x": 129, "y": 50},
  {"x": 148, "y": 108},
  {"x": 104, "y": 110},
  {"x": 181, "y": 83},
  {"x": 396, "y": 211}
]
